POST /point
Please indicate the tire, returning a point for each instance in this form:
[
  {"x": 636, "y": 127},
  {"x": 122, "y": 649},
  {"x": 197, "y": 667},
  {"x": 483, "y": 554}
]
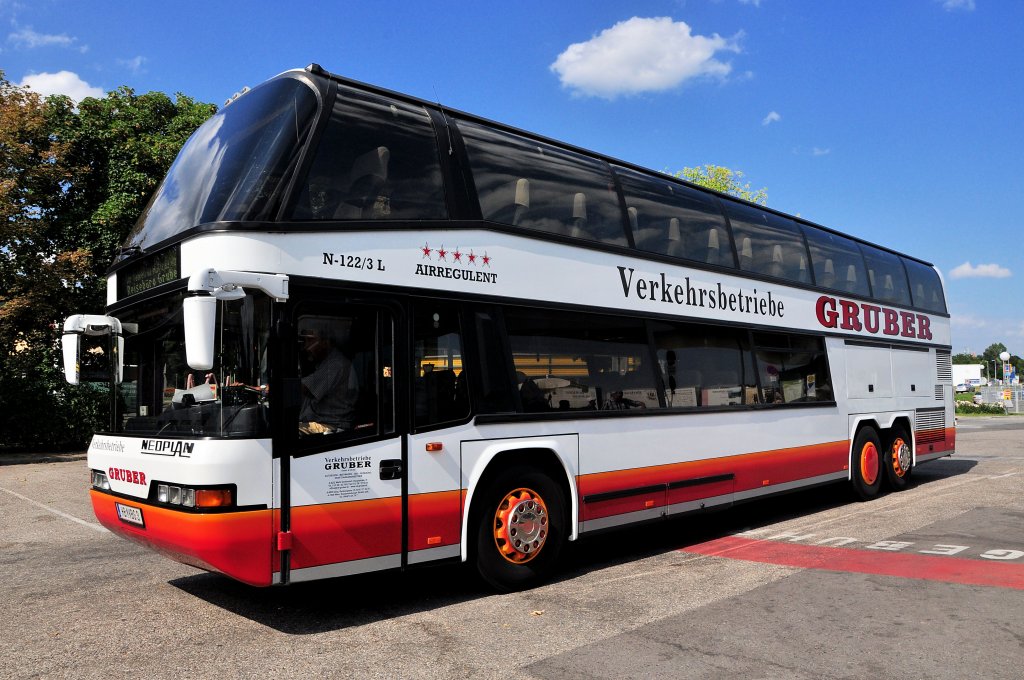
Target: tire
[
  {"x": 866, "y": 464},
  {"x": 897, "y": 459},
  {"x": 521, "y": 525}
]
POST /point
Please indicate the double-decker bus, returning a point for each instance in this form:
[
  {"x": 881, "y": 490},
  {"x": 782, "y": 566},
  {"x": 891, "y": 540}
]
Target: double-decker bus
[{"x": 356, "y": 331}]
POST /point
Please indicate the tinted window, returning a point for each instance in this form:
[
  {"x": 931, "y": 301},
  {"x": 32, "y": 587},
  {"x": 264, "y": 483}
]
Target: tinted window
[
  {"x": 673, "y": 219},
  {"x": 345, "y": 371},
  {"x": 767, "y": 243},
  {"x": 837, "y": 262},
  {"x": 440, "y": 389},
  {"x": 704, "y": 366},
  {"x": 529, "y": 184},
  {"x": 580, "y": 362},
  {"x": 925, "y": 287},
  {"x": 887, "y": 277},
  {"x": 377, "y": 160},
  {"x": 793, "y": 369},
  {"x": 236, "y": 165}
]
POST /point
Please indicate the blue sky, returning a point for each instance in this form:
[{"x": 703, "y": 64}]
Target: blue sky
[{"x": 898, "y": 122}]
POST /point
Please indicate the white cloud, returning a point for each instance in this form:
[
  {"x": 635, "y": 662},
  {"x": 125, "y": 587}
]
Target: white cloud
[
  {"x": 772, "y": 117},
  {"x": 982, "y": 271},
  {"x": 755, "y": 3},
  {"x": 642, "y": 55},
  {"x": 954, "y": 5},
  {"x": 818, "y": 151},
  {"x": 134, "y": 65},
  {"x": 62, "y": 82},
  {"x": 29, "y": 39}
]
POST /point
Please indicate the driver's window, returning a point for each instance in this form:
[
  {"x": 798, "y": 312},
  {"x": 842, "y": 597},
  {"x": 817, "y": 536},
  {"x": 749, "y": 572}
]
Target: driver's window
[{"x": 345, "y": 372}]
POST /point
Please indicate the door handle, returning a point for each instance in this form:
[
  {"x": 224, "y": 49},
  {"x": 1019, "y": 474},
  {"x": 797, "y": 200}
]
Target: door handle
[{"x": 391, "y": 469}]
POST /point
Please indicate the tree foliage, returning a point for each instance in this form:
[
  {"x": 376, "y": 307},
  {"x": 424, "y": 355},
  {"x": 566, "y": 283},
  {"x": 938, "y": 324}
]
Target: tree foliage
[
  {"x": 724, "y": 180},
  {"x": 72, "y": 182}
]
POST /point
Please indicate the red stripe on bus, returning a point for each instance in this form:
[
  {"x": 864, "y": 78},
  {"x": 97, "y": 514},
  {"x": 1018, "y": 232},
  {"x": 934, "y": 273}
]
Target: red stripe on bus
[
  {"x": 435, "y": 519},
  {"x": 340, "y": 532},
  {"x": 752, "y": 471},
  {"x": 883, "y": 563},
  {"x": 233, "y": 543}
]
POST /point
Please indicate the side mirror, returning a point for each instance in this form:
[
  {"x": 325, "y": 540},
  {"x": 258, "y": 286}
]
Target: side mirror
[
  {"x": 200, "y": 316},
  {"x": 93, "y": 349},
  {"x": 71, "y": 346},
  {"x": 207, "y": 286}
]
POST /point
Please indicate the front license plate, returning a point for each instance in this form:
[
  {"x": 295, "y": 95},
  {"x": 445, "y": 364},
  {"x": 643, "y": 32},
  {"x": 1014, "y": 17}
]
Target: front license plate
[{"x": 130, "y": 514}]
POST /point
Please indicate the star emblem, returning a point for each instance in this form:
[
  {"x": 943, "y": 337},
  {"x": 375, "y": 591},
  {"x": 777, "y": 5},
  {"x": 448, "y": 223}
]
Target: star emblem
[
  {"x": 472, "y": 257},
  {"x": 457, "y": 256},
  {"x": 486, "y": 259},
  {"x": 426, "y": 251},
  {"x": 441, "y": 252}
]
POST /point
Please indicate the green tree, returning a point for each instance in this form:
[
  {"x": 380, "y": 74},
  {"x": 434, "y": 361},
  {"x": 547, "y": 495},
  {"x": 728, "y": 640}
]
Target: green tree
[
  {"x": 724, "y": 180},
  {"x": 72, "y": 182},
  {"x": 965, "y": 358}
]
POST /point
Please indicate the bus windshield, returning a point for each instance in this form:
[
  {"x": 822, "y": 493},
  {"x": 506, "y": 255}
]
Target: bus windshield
[
  {"x": 161, "y": 395},
  {"x": 236, "y": 166}
]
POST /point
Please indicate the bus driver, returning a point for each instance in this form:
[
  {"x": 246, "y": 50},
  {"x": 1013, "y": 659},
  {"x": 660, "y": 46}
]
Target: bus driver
[{"x": 328, "y": 392}]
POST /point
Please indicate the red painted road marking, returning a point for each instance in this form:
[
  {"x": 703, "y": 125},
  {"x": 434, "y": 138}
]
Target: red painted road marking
[{"x": 926, "y": 567}]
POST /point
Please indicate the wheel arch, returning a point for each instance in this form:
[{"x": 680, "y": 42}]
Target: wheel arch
[
  {"x": 882, "y": 424},
  {"x": 557, "y": 457}
]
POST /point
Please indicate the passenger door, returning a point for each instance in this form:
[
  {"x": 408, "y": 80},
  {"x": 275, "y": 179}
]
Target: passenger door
[{"x": 343, "y": 458}]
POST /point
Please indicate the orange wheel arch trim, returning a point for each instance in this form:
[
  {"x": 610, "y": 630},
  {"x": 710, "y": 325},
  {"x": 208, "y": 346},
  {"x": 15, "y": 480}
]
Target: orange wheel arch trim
[
  {"x": 521, "y": 525},
  {"x": 869, "y": 463}
]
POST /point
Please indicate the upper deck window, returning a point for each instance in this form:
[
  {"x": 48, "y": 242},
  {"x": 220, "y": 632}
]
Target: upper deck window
[
  {"x": 530, "y": 184},
  {"x": 672, "y": 219},
  {"x": 925, "y": 287},
  {"x": 767, "y": 243},
  {"x": 236, "y": 165},
  {"x": 837, "y": 262},
  {"x": 377, "y": 160},
  {"x": 887, "y": 276}
]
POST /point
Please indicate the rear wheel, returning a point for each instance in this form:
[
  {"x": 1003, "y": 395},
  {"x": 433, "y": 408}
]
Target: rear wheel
[
  {"x": 897, "y": 459},
  {"x": 866, "y": 464},
  {"x": 521, "y": 526}
]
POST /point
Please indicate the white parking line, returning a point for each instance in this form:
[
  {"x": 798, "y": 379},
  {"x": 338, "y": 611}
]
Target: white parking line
[{"x": 91, "y": 525}]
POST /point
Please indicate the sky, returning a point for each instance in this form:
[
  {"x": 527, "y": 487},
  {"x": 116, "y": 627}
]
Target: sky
[{"x": 901, "y": 123}]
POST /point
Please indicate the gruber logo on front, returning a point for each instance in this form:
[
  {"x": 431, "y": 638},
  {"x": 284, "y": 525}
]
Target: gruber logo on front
[{"x": 856, "y": 316}]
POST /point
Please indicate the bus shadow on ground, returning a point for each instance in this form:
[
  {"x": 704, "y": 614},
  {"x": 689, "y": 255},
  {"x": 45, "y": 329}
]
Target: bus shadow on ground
[{"x": 336, "y": 604}]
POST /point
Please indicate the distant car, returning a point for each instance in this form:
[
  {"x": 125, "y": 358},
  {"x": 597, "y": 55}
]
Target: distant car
[
  {"x": 961, "y": 388},
  {"x": 978, "y": 399}
]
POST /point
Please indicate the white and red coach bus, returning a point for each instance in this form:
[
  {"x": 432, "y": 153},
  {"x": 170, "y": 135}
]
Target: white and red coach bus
[{"x": 356, "y": 331}]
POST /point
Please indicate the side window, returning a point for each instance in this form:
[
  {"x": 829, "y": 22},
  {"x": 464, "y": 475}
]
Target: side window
[
  {"x": 704, "y": 366},
  {"x": 793, "y": 368},
  {"x": 672, "y": 219},
  {"x": 530, "y": 184},
  {"x": 767, "y": 243},
  {"x": 925, "y": 287},
  {"x": 346, "y": 368},
  {"x": 837, "y": 262},
  {"x": 440, "y": 382},
  {"x": 580, "y": 362},
  {"x": 887, "y": 276},
  {"x": 376, "y": 160}
]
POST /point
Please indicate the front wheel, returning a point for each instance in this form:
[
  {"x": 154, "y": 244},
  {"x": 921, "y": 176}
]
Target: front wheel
[
  {"x": 897, "y": 460},
  {"x": 521, "y": 526},
  {"x": 866, "y": 464}
]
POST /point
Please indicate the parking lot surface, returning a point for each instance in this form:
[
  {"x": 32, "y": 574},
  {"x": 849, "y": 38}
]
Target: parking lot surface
[{"x": 927, "y": 582}]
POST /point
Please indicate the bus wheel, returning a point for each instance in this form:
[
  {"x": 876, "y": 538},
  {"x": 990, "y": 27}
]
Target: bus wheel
[
  {"x": 520, "y": 529},
  {"x": 897, "y": 460},
  {"x": 866, "y": 464}
]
